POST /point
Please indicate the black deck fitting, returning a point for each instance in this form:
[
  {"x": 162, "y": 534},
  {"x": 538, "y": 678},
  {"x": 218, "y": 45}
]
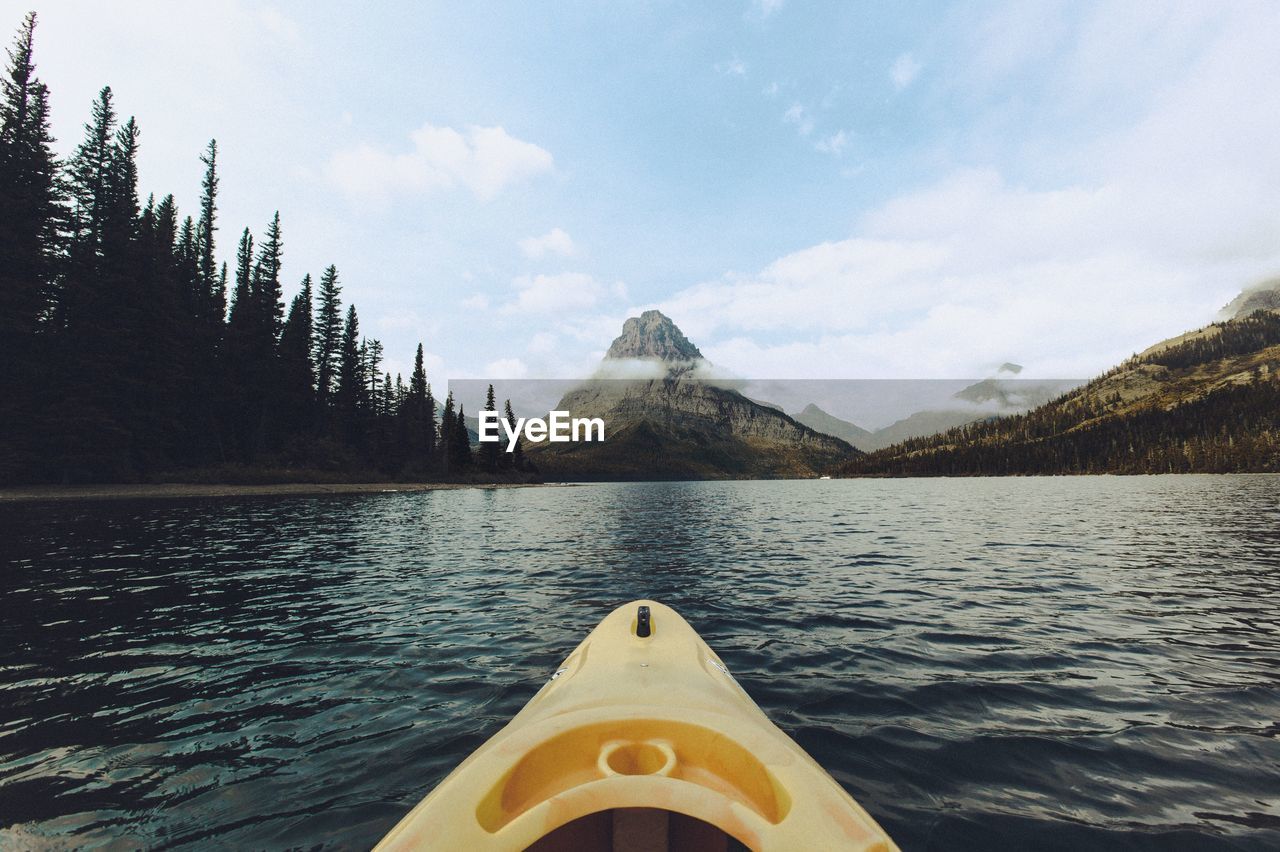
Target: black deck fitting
[{"x": 643, "y": 628}]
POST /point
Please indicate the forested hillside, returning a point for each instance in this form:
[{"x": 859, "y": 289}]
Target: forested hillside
[
  {"x": 1207, "y": 402},
  {"x": 129, "y": 351}
]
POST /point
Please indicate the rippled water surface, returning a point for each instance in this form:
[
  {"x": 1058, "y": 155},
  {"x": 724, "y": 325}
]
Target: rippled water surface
[{"x": 998, "y": 663}]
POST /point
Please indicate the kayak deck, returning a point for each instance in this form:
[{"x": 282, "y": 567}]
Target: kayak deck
[{"x": 642, "y": 740}]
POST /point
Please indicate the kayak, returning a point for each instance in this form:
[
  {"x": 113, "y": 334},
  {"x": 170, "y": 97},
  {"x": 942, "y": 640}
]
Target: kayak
[{"x": 641, "y": 741}]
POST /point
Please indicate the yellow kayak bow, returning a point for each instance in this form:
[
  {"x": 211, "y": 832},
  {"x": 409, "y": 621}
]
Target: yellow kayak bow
[{"x": 642, "y": 740}]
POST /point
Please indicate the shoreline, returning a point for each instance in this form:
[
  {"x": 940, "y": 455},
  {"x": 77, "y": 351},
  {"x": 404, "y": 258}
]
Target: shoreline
[{"x": 179, "y": 490}]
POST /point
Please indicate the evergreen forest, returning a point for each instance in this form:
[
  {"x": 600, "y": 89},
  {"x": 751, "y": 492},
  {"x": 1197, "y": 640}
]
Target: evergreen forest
[{"x": 130, "y": 352}]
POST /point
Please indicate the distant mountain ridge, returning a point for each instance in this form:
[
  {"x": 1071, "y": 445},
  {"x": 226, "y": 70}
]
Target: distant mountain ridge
[
  {"x": 1205, "y": 401},
  {"x": 820, "y": 421},
  {"x": 678, "y": 426},
  {"x": 980, "y": 401}
]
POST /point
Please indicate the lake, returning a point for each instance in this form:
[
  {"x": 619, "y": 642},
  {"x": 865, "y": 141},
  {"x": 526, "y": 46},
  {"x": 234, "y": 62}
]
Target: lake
[{"x": 985, "y": 663}]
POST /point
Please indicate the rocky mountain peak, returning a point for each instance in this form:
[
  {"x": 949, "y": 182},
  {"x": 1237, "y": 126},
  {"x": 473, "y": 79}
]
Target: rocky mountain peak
[
  {"x": 677, "y": 425},
  {"x": 653, "y": 335}
]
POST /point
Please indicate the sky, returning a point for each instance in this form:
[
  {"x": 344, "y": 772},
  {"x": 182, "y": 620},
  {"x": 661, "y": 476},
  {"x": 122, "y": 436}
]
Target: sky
[{"x": 809, "y": 190}]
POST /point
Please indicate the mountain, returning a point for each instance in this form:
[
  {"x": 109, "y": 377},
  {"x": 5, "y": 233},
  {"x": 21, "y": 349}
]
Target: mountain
[
  {"x": 1206, "y": 401},
  {"x": 672, "y": 424},
  {"x": 820, "y": 421},
  {"x": 653, "y": 336},
  {"x": 1261, "y": 297},
  {"x": 913, "y": 426},
  {"x": 1010, "y": 395},
  {"x": 977, "y": 402}
]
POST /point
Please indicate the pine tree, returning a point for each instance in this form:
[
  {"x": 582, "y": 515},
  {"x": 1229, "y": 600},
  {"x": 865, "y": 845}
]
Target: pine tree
[
  {"x": 240, "y": 317},
  {"x": 166, "y": 239},
  {"x": 418, "y": 381},
  {"x": 215, "y": 300},
  {"x": 264, "y": 419},
  {"x": 430, "y": 429},
  {"x": 491, "y": 451},
  {"x": 296, "y": 374},
  {"x": 31, "y": 213},
  {"x": 372, "y": 360},
  {"x": 197, "y": 437},
  {"x": 461, "y": 443},
  {"x": 448, "y": 425},
  {"x": 89, "y": 180},
  {"x": 120, "y": 221},
  {"x": 362, "y": 366},
  {"x": 100, "y": 303},
  {"x": 268, "y": 294},
  {"x": 515, "y": 458},
  {"x": 30, "y": 198},
  {"x": 89, "y": 174},
  {"x": 327, "y": 339},
  {"x": 185, "y": 260},
  {"x": 413, "y": 420},
  {"x": 204, "y": 314},
  {"x": 121, "y": 358},
  {"x": 163, "y": 369},
  {"x": 239, "y": 413},
  {"x": 348, "y": 397}
]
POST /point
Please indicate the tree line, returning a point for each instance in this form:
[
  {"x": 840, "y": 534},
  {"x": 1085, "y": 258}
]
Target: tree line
[
  {"x": 1234, "y": 429},
  {"x": 129, "y": 352},
  {"x": 1241, "y": 336}
]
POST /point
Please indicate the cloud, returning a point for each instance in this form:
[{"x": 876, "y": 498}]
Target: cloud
[
  {"x": 399, "y": 321},
  {"x": 969, "y": 271},
  {"x": 573, "y": 343},
  {"x": 506, "y": 368},
  {"x": 566, "y": 291},
  {"x": 475, "y": 302},
  {"x": 407, "y": 323},
  {"x": 556, "y": 241},
  {"x": 1131, "y": 230},
  {"x": 797, "y": 115},
  {"x": 732, "y": 68},
  {"x": 543, "y": 343},
  {"x": 904, "y": 71},
  {"x": 631, "y": 369},
  {"x": 278, "y": 24},
  {"x": 770, "y": 90},
  {"x": 597, "y": 329},
  {"x": 835, "y": 143},
  {"x": 765, "y": 8},
  {"x": 484, "y": 160}
]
